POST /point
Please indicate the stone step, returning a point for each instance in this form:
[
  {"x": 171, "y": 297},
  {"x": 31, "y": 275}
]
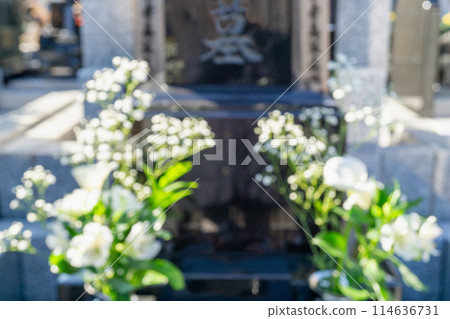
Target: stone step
[
  {"x": 43, "y": 144},
  {"x": 16, "y": 122}
]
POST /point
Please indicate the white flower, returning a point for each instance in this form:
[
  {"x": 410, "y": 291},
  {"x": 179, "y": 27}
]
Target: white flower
[
  {"x": 58, "y": 239},
  {"x": 143, "y": 246},
  {"x": 76, "y": 204},
  {"x": 117, "y": 61},
  {"x": 350, "y": 175},
  {"x": 362, "y": 197},
  {"x": 139, "y": 75},
  {"x": 32, "y": 217},
  {"x": 50, "y": 179},
  {"x": 15, "y": 229},
  {"x": 428, "y": 232},
  {"x": 120, "y": 75},
  {"x": 370, "y": 120},
  {"x": 23, "y": 245},
  {"x": 350, "y": 117},
  {"x": 411, "y": 237},
  {"x": 91, "y": 96},
  {"x": 121, "y": 199},
  {"x": 14, "y": 204},
  {"x": 92, "y": 247},
  {"x": 332, "y": 120},
  {"x": 22, "y": 192},
  {"x": 345, "y": 173},
  {"x": 338, "y": 94},
  {"x": 93, "y": 176},
  {"x": 138, "y": 115}
]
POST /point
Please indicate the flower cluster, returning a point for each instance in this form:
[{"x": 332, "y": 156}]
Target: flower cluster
[
  {"x": 296, "y": 148},
  {"x": 129, "y": 180},
  {"x": 105, "y": 219},
  {"x": 92, "y": 226},
  {"x": 103, "y": 139},
  {"x": 30, "y": 195},
  {"x": 376, "y": 214},
  {"x": 108, "y": 83},
  {"x": 298, "y": 144},
  {"x": 15, "y": 239},
  {"x": 173, "y": 138},
  {"x": 92, "y": 245},
  {"x": 279, "y": 135},
  {"x": 411, "y": 237},
  {"x": 278, "y": 126}
]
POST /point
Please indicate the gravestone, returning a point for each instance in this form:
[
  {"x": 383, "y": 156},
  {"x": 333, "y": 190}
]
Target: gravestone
[
  {"x": 363, "y": 35},
  {"x": 415, "y": 53},
  {"x": 238, "y": 58},
  {"x": 363, "y": 28},
  {"x": 108, "y": 31},
  {"x": 231, "y": 42}
]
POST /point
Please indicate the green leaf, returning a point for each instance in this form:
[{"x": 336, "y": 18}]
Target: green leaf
[
  {"x": 168, "y": 199},
  {"x": 332, "y": 242},
  {"x": 62, "y": 264},
  {"x": 376, "y": 211},
  {"x": 360, "y": 216},
  {"x": 154, "y": 278},
  {"x": 164, "y": 234},
  {"x": 394, "y": 197},
  {"x": 409, "y": 278},
  {"x": 177, "y": 186},
  {"x": 174, "y": 173},
  {"x": 373, "y": 271},
  {"x": 99, "y": 209},
  {"x": 148, "y": 171},
  {"x": 345, "y": 214},
  {"x": 376, "y": 277},
  {"x": 382, "y": 197},
  {"x": 387, "y": 210},
  {"x": 353, "y": 293},
  {"x": 318, "y": 206},
  {"x": 172, "y": 272},
  {"x": 147, "y": 277},
  {"x": 121, "y": 286},
  {"x": 408, "y": 205}
]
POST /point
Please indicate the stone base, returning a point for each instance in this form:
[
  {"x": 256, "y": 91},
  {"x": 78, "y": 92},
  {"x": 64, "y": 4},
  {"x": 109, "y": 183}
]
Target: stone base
[{"x": 27, "y": 277}]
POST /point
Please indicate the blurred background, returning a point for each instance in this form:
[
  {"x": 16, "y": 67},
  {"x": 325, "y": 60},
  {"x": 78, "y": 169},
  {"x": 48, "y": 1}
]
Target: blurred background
[{"x": 232, "y": 242}]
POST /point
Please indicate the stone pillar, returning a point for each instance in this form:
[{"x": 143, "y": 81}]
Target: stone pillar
[
  {"x": 310, "y": 43},
  {"x": 151, "y": 36},
  {"x": 365, "y": 38},
  {"x": 415, "y": 54},
  {"x": 101, "y": 17},
  {"x": 368, "y": 40},
  {"x": 131, "y": 28}
]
